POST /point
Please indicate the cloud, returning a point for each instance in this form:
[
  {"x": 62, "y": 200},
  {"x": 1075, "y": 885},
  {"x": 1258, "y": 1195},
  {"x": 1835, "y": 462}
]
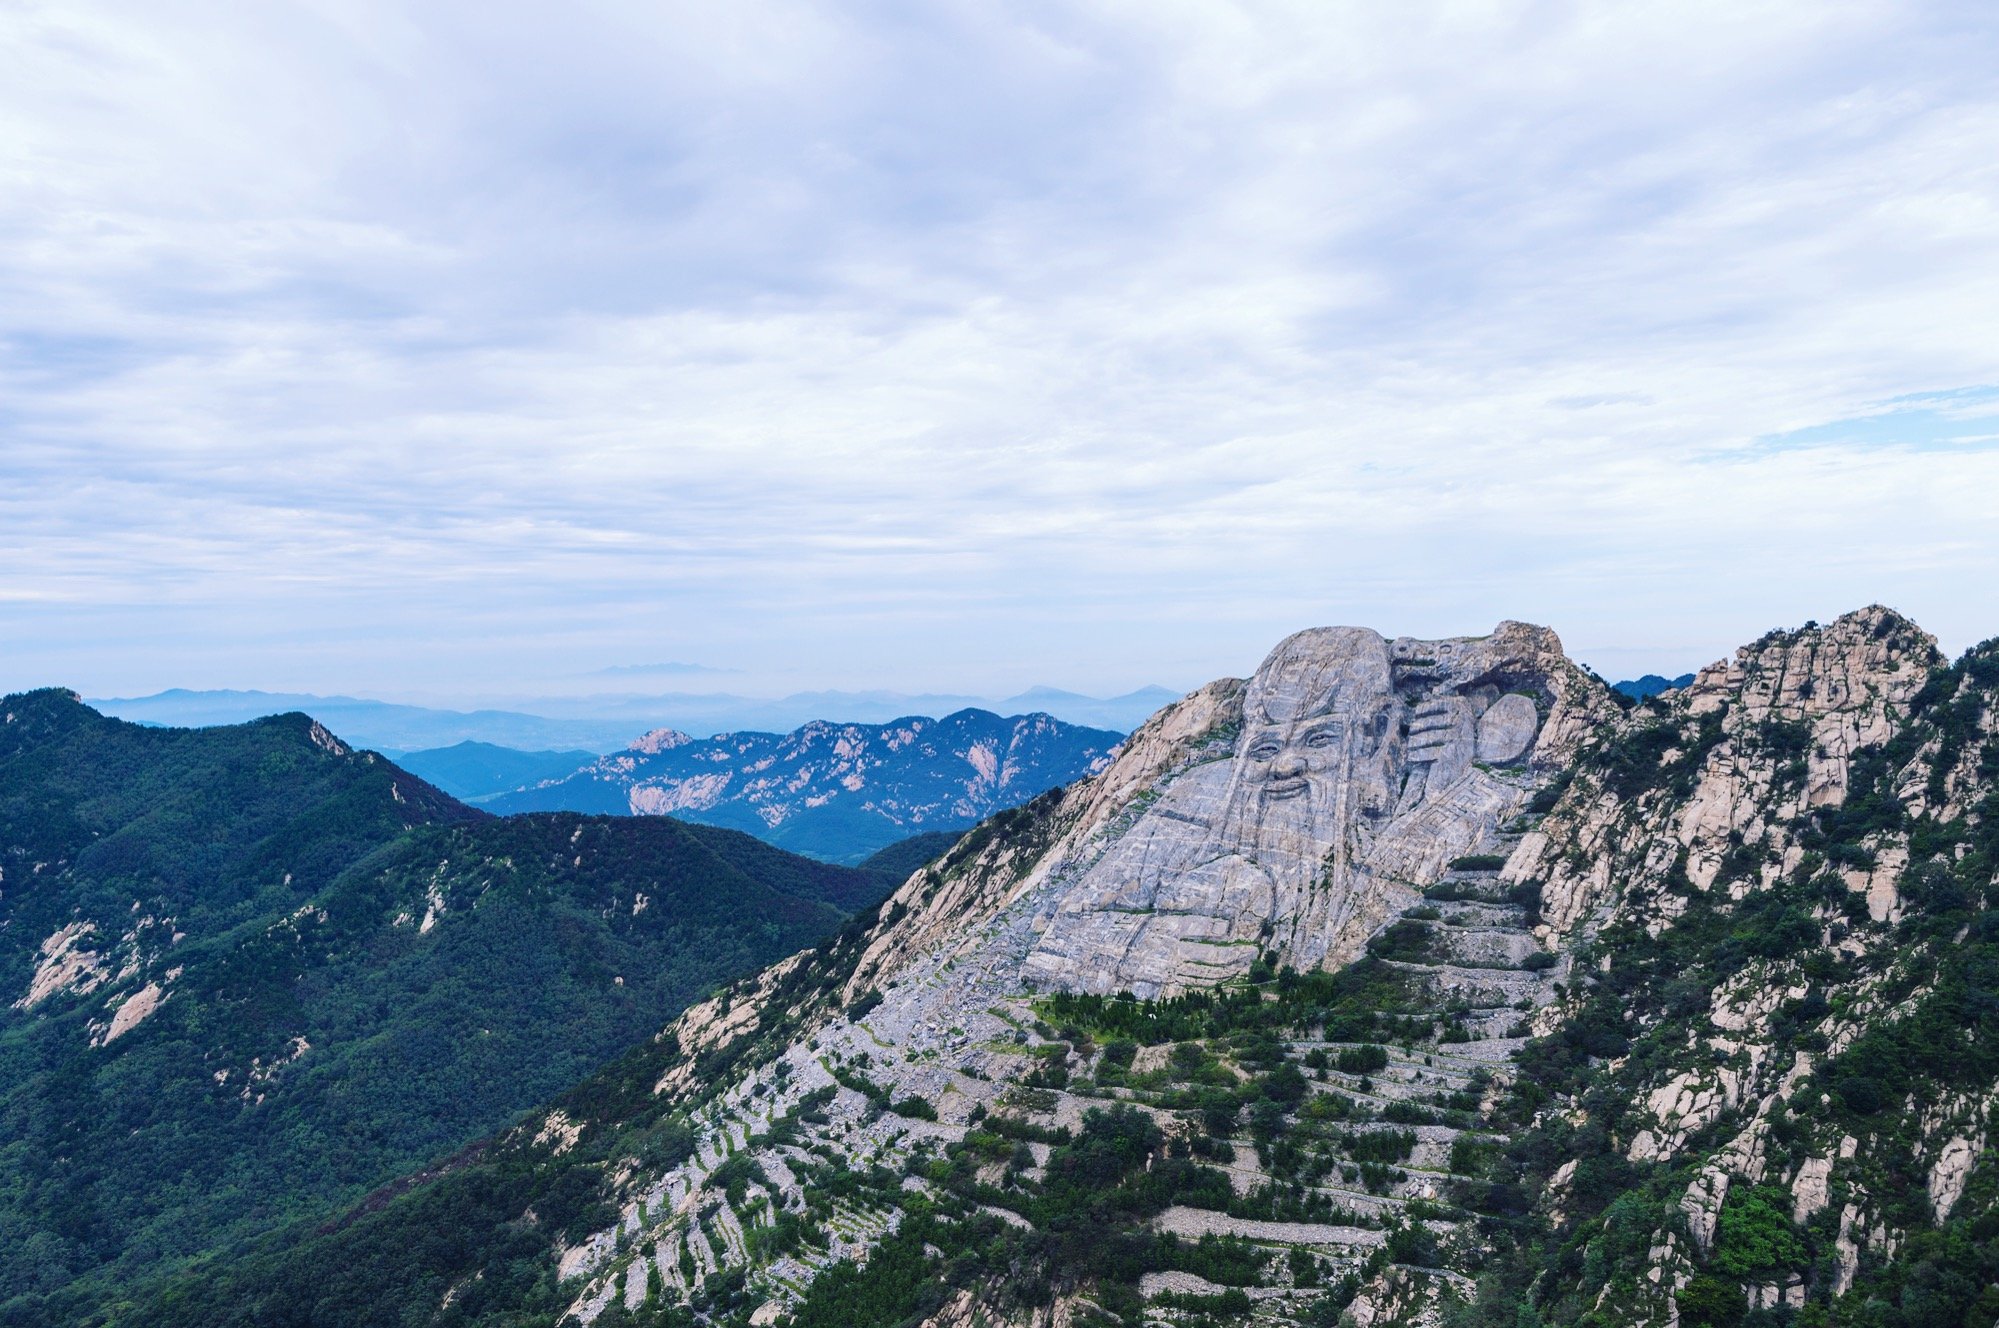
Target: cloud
[{"x": 360, "y": 347}]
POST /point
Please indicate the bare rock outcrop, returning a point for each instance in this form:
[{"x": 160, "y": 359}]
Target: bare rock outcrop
[{"x": 1360, "y": 768}]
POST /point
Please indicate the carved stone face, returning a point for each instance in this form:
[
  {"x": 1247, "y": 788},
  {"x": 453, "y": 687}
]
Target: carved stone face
[
  {"x": 1356, "y": 774},
  {"x": 1285, "y": 759},
  {"x": 1314, "y": 719}
]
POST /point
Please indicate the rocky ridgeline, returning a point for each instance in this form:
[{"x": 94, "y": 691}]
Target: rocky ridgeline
[
  {"x": 1772, "y": 877},
  {"x": 1418, "y": 974},
  {"x": 837, "y": 791}
]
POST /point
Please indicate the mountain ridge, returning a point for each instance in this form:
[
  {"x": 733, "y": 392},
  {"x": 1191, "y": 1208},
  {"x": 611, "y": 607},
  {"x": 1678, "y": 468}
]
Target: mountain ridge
[
  {"x": 839, "y": 791},
  {"x": 606, "y": 723}
]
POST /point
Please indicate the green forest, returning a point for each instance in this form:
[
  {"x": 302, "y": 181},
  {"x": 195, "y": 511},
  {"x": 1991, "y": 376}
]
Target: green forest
[{"x": 358, "y": 977}]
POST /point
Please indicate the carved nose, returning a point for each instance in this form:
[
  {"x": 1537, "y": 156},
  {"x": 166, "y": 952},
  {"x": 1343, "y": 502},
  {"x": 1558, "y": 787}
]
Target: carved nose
[{"x": 1288, "y": 766}]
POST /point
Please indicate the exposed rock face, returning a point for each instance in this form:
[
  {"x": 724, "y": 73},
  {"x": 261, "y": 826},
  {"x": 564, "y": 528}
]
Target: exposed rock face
[
  {"x": 1841, "y": 689},
  {"x": 1800, "y": 840},
  {"x": 1361, "y": 767},
  {"x": 67, "y": 964}
]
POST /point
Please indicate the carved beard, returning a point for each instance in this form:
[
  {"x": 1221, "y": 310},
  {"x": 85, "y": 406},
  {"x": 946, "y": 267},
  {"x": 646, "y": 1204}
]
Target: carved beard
[{"x": 1280, "y": 830}]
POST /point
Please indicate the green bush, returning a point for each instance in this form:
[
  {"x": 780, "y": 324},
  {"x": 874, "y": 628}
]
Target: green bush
[
  {"x": 1756, "y": 1234},
  {"x": 1367, "y": 1059},
  {"x": 1709, "y": 1302}
]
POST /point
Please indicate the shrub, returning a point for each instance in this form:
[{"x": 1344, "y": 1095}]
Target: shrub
[
  {"x": 1755, "y": 1234},
  {"x": 1709, "y": 1302},
  {"x": 1361, "y": 1060}
]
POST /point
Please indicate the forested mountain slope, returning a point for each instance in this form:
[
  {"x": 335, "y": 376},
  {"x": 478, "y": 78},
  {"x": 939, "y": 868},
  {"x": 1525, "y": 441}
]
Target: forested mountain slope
[
  {"x": 477, "y": 771},
  {"x": 1681, "y": 1013},
  {"x": 835, "y": 791},
  {"x": 252, "y": 974}
]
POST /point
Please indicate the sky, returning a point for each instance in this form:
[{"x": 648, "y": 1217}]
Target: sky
[{"x": 453, "y": 352}]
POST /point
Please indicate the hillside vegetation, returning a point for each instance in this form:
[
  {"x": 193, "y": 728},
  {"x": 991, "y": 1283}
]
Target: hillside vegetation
[{"x": 252, "y": 975}]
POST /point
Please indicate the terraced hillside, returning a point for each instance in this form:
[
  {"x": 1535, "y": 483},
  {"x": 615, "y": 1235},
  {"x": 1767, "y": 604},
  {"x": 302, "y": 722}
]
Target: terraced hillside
[{"x": 1316, "y": 1127}]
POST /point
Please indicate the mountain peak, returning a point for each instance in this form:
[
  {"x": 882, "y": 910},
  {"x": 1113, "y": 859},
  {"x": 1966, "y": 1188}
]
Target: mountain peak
[
  {"x": 659, "y": 740},
  {"x": 839, "y": 791}
]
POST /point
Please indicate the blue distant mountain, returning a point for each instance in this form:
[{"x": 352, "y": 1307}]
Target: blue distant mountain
[
  {"x": 838, "y": 792},
  {"x": 1638, "y": 689},
  {"x": 382, "y": 725},
  {"x": 476, "y": 771},
  {"x": 600, "y": 724}
]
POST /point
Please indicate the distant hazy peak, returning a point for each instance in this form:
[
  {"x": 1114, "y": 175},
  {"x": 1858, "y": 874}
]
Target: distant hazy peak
[{"x": 659, "y": 740}]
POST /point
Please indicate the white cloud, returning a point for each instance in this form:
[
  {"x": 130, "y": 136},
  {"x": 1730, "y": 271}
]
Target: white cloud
[{"x": 350, "y": 346}]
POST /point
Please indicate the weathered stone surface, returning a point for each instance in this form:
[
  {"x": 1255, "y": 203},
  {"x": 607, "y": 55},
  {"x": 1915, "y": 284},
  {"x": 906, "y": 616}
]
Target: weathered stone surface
[
  {"x": 1809, "y": 1192},
  {"x": 1290, "y": 814},
  {"x": 1360, "y": 769},
  {"x": 1846, "y": 685},
  {"x": 1952, "y": 1171}
]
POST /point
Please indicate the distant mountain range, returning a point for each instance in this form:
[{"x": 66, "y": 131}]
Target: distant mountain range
[
  {"x": 834, "y": 791},
  {"x": 601, "y": 724},
  {"x": 1652, "y": 684},
  {"x": 385, "y": 726}
]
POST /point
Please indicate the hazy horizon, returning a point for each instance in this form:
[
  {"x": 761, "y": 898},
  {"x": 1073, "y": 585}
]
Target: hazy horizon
[{"x": 623, "y": 683}]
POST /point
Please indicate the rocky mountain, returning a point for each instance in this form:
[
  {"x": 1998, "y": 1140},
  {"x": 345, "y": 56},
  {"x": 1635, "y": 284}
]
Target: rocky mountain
[
  {"x": 250, "y": 974},
  {"x": 1405, "y": 982},
  {"x": 835, "y": 791}
]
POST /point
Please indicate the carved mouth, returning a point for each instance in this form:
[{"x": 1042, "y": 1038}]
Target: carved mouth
[{"x": 1285, "y": 788}]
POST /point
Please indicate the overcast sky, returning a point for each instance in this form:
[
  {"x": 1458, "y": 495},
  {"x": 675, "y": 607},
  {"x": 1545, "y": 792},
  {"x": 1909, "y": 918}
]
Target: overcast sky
[{"x": 451, "y": 351}]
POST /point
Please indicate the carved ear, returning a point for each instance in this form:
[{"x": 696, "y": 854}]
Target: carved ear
[{"x": 1506, "y": 730}]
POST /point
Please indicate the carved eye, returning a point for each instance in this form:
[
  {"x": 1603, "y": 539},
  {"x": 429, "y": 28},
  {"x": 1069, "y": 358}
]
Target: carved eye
[
  {"x": 1323, "y": 738},
  {"x": 1264, "y": 751}
]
